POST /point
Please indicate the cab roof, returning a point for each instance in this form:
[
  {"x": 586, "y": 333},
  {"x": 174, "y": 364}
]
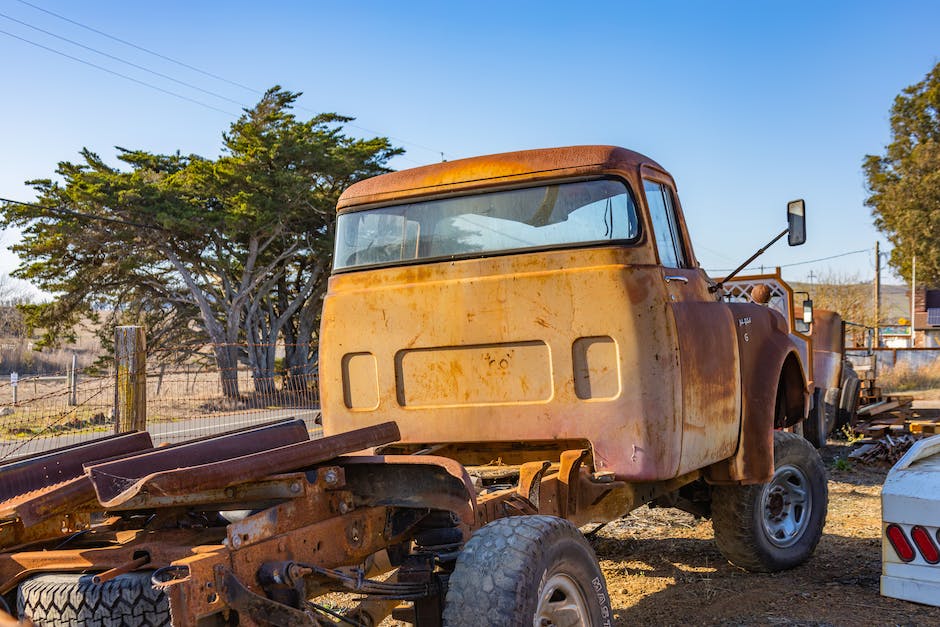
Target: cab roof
[{"x": 509, "y": 168}]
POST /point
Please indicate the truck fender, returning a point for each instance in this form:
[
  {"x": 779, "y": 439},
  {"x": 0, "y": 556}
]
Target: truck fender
[{"x": 769, "y": 362}]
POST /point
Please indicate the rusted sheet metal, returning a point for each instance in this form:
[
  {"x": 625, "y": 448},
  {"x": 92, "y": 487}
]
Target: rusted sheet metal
[
  {"x": 634, "y": 426},
  {"x": 62, "y": 464},
  {"x": 251, "y": 495},
  {"x": 711, "y": 385},
  {"x": 329, "y": 543},
  {"x": 34, "y": 507},
  {"x": 420, "y": 481},
  {"x": 229, "y": 464},
  {"x": 113, "y": 477},
  {"x": 828, "y": 334},
  {"x": 493, "y": 170},
  {"x": 15, "y": 534},
  {"x": 765, "y": 354},
  {"x": 114, "y": 550}
]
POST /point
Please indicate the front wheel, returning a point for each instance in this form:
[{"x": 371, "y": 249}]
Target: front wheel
[
  {"x": 527, "y": 570},
  {"x": 776, "y": 525}
]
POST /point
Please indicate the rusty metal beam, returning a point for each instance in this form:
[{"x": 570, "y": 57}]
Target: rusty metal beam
[
  {"x": 171, "y": 475},
  {"x": 261, "y": 493},
  {"x": 113, "y": 477},
  {"x": 34, "y": 507},
  {"x": 40, "y": 471},
  {"x": 104, "y": 550}
]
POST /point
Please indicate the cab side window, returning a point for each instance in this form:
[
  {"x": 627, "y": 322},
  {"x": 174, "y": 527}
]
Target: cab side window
[{"x": 665, "y": 226}]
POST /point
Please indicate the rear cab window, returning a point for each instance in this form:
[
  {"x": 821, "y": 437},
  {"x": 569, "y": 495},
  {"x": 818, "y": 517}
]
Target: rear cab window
[{"x": 473, "y": 225}]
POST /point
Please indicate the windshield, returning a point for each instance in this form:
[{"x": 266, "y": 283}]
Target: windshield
[{"x": 564, "y": 214}]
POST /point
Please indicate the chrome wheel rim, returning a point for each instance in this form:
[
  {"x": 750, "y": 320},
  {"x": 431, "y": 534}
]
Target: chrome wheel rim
[
  {"x": 561, "y": 604},
  {"x": 786, "y": 506}
]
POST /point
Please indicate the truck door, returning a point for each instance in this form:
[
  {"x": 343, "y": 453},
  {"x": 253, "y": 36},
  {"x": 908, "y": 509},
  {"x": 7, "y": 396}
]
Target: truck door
[{"x": 707, "y": 341}]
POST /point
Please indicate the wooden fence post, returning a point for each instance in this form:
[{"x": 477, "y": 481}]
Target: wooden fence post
[
  {"x": 73, "y": 381},
  {"x": 130, "y": 385}
]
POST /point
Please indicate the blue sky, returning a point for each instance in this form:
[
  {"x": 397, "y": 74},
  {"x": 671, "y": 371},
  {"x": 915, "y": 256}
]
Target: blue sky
[{"x": 748, "y": 104}]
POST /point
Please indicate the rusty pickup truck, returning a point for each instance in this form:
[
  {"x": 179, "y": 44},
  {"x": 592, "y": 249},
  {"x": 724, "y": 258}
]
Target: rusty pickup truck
[{"x": 512, "y": 346}]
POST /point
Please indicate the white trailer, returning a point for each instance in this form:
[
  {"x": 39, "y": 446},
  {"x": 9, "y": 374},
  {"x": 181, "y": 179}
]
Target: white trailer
[{"x": 910, "y": 512}]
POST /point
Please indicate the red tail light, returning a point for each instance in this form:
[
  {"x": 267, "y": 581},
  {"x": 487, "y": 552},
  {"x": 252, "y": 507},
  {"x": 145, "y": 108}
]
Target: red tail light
[
  {"x": 928, "y": 549},
  {"x": 899, "y": 541}
]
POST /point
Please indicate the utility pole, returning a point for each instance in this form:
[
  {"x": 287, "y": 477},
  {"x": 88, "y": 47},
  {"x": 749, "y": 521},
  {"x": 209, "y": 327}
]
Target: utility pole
[
  {"x": 913, "y": 289},
  {"x": 877, "y": 294}
]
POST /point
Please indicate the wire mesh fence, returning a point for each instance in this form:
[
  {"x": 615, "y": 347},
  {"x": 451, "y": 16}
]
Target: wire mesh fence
[
  {"x": 42, "y": 412},
  {"x": 186, "y": 399},
  {"x": 186, "y": 403}
]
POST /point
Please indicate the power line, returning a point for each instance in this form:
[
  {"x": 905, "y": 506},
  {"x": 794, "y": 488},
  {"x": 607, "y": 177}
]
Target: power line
[
  {"x": 125, "y": 62},
  {"x": 85, "y": 216},
  {"x": 798, "y": 263},
  {"x": 206, "y": 73},
  {"x": 141, "y": 48},
  {"x": 124, "y": 76}
]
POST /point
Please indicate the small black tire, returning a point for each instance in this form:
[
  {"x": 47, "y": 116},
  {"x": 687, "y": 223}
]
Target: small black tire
[
  {"x": 814, "y": 427},
  {"x": 515, "y": 569},
  {"x": 774, "y": 526},
  {"x": 848, "y": 403},
  {"x": 75, "y": 600}
]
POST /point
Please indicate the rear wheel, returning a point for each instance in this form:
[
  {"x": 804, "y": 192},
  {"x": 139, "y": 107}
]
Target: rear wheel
[
  {"x": 776, "y": 525},
  {"x": 527, "y": 570}
]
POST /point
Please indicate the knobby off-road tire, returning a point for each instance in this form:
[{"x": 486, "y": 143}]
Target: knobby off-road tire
[
  {"x": 516, "y": 569},
  {"x": 774, "y": 526},
  {"x": 76, "y": 601}
]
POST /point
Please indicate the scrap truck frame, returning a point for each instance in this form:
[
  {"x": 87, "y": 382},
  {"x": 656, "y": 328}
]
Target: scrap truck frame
[{"x": 512, "y": 346}]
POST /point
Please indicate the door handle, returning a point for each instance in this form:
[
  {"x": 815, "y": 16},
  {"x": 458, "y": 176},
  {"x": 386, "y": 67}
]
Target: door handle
[{"x": 670, "y": 279}]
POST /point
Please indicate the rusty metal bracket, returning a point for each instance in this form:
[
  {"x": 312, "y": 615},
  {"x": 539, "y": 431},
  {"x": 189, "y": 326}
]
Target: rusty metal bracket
[
  {"x": 262, "y": 610},
  {"x": 530, "y": 480},
  {"x": 568, "y": 477}
]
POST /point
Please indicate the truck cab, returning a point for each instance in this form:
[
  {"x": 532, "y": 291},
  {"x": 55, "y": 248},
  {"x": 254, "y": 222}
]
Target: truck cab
[{"x": 519, "y": 305}]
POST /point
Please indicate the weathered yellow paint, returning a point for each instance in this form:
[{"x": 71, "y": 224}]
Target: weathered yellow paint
[
  {"x": 492, "y": 374},
  {"x": 599, "y": 344},
  {"x": 440, "y": 331}
]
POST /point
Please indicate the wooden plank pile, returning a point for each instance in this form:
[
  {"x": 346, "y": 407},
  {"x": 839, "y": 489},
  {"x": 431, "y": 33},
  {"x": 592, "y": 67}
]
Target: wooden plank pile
[
  {"x": 887, "y": 449},
  {"x": 890, "y": 427}
]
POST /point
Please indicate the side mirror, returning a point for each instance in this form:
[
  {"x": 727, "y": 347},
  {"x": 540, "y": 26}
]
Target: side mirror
[
  {"x": 796, "y": 222},
  {"x": 808, "y": 311}
]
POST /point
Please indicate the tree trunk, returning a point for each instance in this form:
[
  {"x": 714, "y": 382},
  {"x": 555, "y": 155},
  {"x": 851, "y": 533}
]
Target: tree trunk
[
  {"x": 226, "y": 356},
  {"x": 300, "y": 356}
]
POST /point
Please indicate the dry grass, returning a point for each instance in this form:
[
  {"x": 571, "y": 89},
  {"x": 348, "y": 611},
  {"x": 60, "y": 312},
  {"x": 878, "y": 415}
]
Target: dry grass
[{"x": 904, "y": 378}]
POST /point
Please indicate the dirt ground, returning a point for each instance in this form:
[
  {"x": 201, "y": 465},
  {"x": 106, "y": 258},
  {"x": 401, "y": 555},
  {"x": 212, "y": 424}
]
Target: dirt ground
[{"x": 663, "y": 568}]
